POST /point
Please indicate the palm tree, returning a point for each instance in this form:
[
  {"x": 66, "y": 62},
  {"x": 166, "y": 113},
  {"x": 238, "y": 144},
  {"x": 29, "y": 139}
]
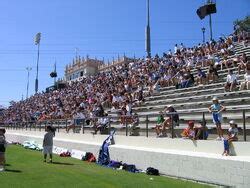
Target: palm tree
[{"x": 243, "y": 24}]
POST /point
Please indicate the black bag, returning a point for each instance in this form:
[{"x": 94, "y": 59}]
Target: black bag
[
  {"x": 152, "y": 171},
  {"x": 87, "y": 156},
  {"x": 129, "y": 168}
]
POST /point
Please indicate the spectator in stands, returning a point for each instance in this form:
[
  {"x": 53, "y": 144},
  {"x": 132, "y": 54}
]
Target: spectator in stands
[
  {"x": 48, "y": 143},
  {"x": 189, "y": 132},
  {"x": 159, "y": 125},
  {"x": 246, "y": 82},
  {"x": 133, "y": 128},
  {"x": 78, "y": 120},
  {"x": 201, "y": 131},
  {"x": 195, "y": 132},
  {"x": 232, "y": 136},
  {"x": 212, "y": 73},
  {"x": 187, "y": 80},
  {"x": 216, "y": 109},
  {"x": 172, "y": 119},
  {"x": 102, "y": 124},
  {"x": 201, "y": 77},
  {"x": 242, "y": 63},
  {"x": 231, "y": 82}
]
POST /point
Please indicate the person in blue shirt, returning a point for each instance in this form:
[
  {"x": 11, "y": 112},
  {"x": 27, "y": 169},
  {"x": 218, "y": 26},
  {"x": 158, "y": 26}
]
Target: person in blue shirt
[{"x": 216, "y": 108}]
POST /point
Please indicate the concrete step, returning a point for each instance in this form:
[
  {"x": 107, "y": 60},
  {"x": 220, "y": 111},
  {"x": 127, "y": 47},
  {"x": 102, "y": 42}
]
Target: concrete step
[
  {"x": 195, "y": 96},
  {"x": 244, "y": 100}
]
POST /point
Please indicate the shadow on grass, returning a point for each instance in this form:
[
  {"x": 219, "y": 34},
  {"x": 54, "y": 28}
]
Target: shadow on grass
[
  {"x": 59, "y": 163},
  {"x": 15, "y": 171},
  {"x": 7, "y": 165}
]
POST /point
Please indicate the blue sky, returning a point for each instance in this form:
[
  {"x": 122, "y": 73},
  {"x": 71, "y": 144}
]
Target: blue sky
[{"x": 100, "y": 28}]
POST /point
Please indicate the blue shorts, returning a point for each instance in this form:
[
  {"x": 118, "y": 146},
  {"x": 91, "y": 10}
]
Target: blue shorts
[{"x": 216, "y": 118}]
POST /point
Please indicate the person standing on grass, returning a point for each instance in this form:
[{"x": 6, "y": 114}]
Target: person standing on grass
[
  {"x": 48, "y": 143},
  {"x": 2, "y": 149},
  {"x": 216, "y": 108}
]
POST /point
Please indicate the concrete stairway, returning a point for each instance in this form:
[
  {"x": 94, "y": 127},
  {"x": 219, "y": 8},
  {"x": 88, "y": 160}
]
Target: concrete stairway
[{"x": 190, "y": 102}]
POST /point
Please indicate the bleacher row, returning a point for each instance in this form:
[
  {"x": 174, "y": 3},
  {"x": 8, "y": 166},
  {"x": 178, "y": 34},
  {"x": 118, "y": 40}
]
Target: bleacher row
[{"x": 191, "y": 102}]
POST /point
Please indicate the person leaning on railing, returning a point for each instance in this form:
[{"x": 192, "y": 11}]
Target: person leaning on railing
[
  {"x": 78, "y": 117},
  {"x": 172, "y": 119},
  {"x": 159, "y": 125}
]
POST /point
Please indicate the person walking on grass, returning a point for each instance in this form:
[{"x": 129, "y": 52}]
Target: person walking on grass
[
  {"x": 3, "y": 144},
  {"x": 216, "y": 108},
  {"x": 48, "y": 143}
]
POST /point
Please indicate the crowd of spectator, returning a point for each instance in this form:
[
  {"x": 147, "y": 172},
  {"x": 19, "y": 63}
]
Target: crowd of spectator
[{"x": 126, "y": 85}]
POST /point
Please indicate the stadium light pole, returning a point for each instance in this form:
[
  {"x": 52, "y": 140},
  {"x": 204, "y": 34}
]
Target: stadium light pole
[
  {"x": 37, "y": 42},
  {"x": 210, "y": 21},
  {"x": 203, "y": 34},
  {"x": 210, "y": 26},
  {"x": 55, "y": 72},
  {"x": 148, "y": 38},
  {"x": 28, "y": 81}
]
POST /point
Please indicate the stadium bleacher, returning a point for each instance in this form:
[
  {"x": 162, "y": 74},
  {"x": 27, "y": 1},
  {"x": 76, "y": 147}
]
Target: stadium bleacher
[{"x": 189, "y": 102}]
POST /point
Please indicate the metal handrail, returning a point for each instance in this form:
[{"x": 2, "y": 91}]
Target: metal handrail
[{"x": 38, "y": 124}]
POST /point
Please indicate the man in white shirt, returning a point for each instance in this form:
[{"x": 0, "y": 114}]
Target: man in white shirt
[
  {"x": 102, "y": 124},
  {"x": 246, "y": 82},
  {"x": 231, "y": 82}
]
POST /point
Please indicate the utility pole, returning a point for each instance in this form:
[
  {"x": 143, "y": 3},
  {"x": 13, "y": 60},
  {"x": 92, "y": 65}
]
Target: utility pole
[
  {"x": 148, "y": 38},
  {"x": 28, "y": 81},
  {"x": 37, "y": 42},
  {"x": 210, "y": 21}
]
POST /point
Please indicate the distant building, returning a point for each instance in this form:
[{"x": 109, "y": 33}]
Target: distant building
[
  {"x": 82, "y": 67},
  {"x": 119, "y": 61}
]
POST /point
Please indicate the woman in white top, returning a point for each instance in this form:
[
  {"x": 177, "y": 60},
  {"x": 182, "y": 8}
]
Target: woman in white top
[{"x": 246, "y": 82}]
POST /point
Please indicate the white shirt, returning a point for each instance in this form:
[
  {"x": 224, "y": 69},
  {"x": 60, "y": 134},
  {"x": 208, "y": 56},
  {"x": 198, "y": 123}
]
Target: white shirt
[
  {"x": 79, "y": 115},
  {"x": 247, "y": 77},
  {"x": 175, "y": 49},
  {"x": 231, "y": 78}
]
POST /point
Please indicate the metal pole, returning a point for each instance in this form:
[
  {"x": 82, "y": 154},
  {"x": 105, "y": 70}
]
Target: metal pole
[
  {"x": 66, "y": 124},
  {"x": 83, "y": 124},
  {"x": 203, "y": 125},
  {"x": 148, "y": 38},
  {"x": 172, "y": 126},
  {"x": 109, "y": 125},
  {"x": 36, "y": 83},
  {"x": 147, "y": 126},
  {"x": 28, "y": 81},
  {"x": 126, "y": 123},
  {"x": 203, "y": 36},
  {"x": 244, "y": 126},
  {"x": 210, "y": 26},
  {"x": 40, "y": 125}
]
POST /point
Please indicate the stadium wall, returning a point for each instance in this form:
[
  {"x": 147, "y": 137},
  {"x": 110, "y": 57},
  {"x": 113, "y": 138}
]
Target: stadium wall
[{"x": 200, "y": 161}]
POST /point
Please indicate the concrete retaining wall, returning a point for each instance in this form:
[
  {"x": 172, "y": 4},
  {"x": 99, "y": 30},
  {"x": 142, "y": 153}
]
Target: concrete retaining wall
[{"x": 199, "y": 160}]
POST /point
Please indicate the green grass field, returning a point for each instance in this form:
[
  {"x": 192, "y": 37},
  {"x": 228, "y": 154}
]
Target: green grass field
[{"x": 25, "y": 168}]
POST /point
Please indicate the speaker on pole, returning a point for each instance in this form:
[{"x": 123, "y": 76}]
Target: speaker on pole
[{"x": 205, "y": 10}]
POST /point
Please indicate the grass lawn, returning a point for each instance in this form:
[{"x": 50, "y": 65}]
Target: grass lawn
[{"x": 25, "y": 168}]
